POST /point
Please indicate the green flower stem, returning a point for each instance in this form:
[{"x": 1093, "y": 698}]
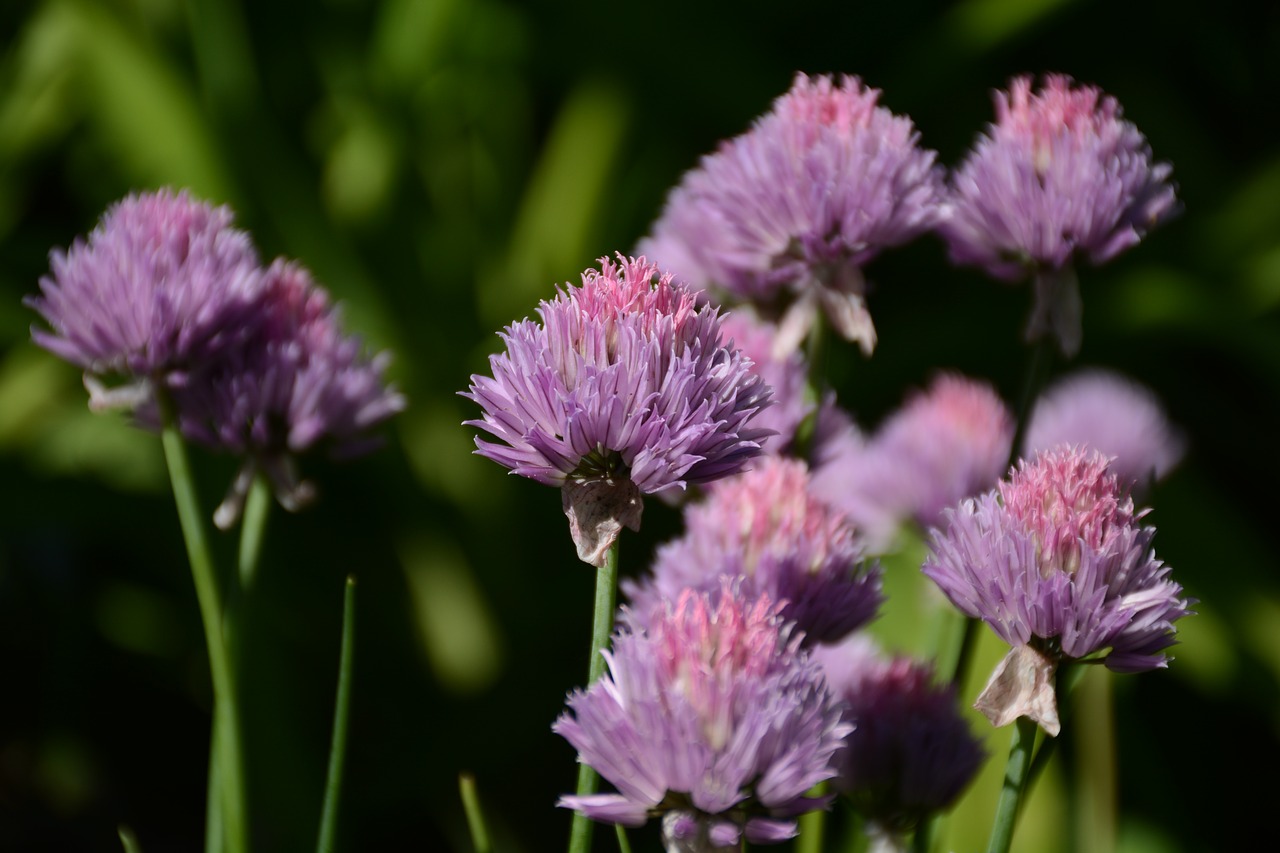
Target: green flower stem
[
  {"x": 341, "y": 711},
  {"x": 1015, "y": 778},
  {"x": 606, "y": 598},
  {"x": 253, "y": 526},
  {"x": 475, "y": 817},
  {"x": 1037, "y": 372},
  {"x": 813, "y": 825},
  {"x": 226, "y": 714},
  {"x": 1096, "y": 762},
  {"x": 128, "y": 840},
  {"x": 624, "y": 846}
]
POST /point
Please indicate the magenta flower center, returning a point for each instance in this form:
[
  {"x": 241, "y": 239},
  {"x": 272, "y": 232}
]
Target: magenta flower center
[
  {"x": 1067, "y": 501},
  {"x": 706, "y": 652}
]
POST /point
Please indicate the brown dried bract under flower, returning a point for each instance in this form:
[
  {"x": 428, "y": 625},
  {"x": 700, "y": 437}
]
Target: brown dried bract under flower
[
  {"x": 597, "y": 511},
  {"x": 1022, "y": 685}
]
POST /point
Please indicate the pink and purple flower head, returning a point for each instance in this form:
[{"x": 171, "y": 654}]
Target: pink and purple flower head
[
  {"x": 1059, "y": 176},
  {"x": 168, "y": 296},
  {"x": 786, "y": 215},
  {"x": 767, "y": 530},
  {"x": 1057, "y": 562},
  {"x": 911, "y": 752},
  {"x": 946, "y": 443},
  {"x": 298, "y": 384},
  {"x": 163, "y": 286},
  {"x": 1114, "y": 415},
  {"x": 624, "y": 389},
  {"x": 711, "y": 717}
]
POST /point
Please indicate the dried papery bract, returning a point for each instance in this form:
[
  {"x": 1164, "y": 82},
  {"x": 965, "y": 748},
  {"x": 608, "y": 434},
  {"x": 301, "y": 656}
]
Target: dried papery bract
[
  {"x": 624, "y": 389},
  {"x": 786, "y": 215},
  {"x": 1060, "y": 176},
  {"x": 1058, "y": 563}
]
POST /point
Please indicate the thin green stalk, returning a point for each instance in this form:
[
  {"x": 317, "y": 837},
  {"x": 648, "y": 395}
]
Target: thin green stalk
[
  {"x": 253, "y": 526},
  {"x": 231, "y": 771},
  {"x": 1015, "y": 777},
  {"x": 922, "y": 840},
  {"x": 128, "y": 840},
  {"x": 341, "y": 711},
  {"x": 1096, "y": 756},
  {"x": 624, "y": 845},
  {"x": 1037, "y": 372},
  {"x": 475, "y": 817},
  {"x": 606, "y": 598},
  {"x": 813, "y": 825},
  {"x": 213, "y": 795}
]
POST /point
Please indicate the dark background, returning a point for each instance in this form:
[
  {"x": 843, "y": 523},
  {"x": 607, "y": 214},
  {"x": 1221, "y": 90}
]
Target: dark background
[{"x": 440, "y": 166}]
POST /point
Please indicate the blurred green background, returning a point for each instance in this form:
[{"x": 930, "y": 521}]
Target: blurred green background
[{"x": 441, "y": 165}]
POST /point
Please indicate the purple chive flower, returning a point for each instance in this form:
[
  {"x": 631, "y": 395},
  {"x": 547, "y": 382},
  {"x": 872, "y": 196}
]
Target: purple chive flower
[
  {"x": 767, "y": 530},
  {"x": 946, "y": 443},
  {"x": 623, "y": 389},
  {"x": 712, "y": 717},
  {"x": 1056, "y": 561},
  {"x": 298, "y": 384},
  {"x": 1058, "y": 176},
  {"x": 786, "y": 215},
  {"x": 163, "y": 286},
  {"x": 1114, "y": 415},
  {"x": 911, "y": 752}
]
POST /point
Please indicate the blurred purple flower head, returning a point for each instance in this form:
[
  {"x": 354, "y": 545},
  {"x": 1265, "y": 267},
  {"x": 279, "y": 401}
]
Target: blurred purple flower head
[
  {"x": 163, "y": 286},
  {"x": 785, "y": 215},
  {"x": 712, "y": 717},
  {"x": 1060, "y": 174},
  {"x": 623, "y": 389},
  {"x": 1056, "y": 561},
  {"x": 786, "y": 374},
  {"x": 911, "y": 752},
  {"x": 298, "y": 383},
  {"x": 1114, "y": 415},
  {"x": 765, "y": 529},
  {"x": 946, "y": 443}
]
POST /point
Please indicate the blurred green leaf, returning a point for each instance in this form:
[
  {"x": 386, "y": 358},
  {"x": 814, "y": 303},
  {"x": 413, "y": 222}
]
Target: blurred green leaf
[
  {"x": 562, "y": 204},
  {"x": 145, "y": 109},
  {"x": 983, "y": 24},
  {"x": 139, "y": 619},
  {"x": 460, "y": 639}
]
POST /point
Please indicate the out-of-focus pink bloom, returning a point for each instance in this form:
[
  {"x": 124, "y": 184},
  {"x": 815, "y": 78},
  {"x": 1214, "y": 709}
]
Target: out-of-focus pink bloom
[{"x": 786, "y": 215}]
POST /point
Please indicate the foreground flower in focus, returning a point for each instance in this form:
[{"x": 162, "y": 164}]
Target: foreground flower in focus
[
  {"x": 786, "y": 215},
  {"x": 163, "y": 286},
  {"x": 946, "y": 443},
  {"x": 623, "y": 389},
  {"x": 911, "y": 753},
  {"x": 297, "y": 384},
  {"x": 767, "y": 530},
  {"x": 1058, "y": 176},
  {"x": 1056, "y": 561},
  {"x": 711, "y": 717},
  {"x": 1111, "y": 414}
]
